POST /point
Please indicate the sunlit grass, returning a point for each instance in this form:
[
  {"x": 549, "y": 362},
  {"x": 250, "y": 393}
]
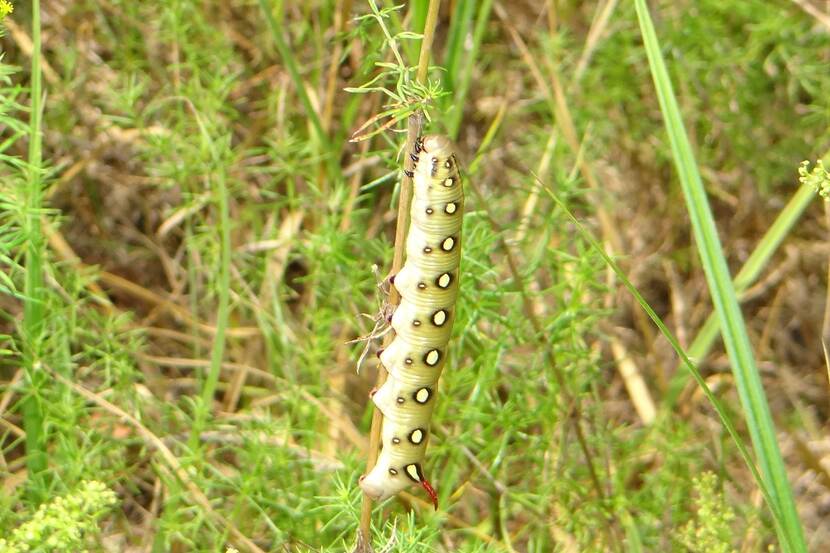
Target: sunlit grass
[
  {"x": 189, "y": 162},
  {"x": 733, "y": 330}
]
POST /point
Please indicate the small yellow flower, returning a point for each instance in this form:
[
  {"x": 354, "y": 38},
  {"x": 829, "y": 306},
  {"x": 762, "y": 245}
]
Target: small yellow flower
[{"x": 5, "y": 8}]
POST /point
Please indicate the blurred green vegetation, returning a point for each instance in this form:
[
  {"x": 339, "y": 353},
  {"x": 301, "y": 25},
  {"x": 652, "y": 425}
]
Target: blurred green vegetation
[{"x": 157, "y": 113}]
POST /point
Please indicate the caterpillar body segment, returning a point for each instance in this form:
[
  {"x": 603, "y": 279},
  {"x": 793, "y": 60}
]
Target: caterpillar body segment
[
  {"x": 403, "y": 363},
  {"x": 427, "y": 288},
  {"x": 428, "y": 285}
]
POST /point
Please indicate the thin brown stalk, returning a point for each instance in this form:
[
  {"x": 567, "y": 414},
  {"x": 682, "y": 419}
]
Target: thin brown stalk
[
  {"x": 553, "y": 15},
  {"x": 598, "y": 27},
  {"x": 413, "y": 130},
  {"x": 814, "y": 11},
  {"x": 354, "y": 183},
  {"x": 341, "y": 13}
]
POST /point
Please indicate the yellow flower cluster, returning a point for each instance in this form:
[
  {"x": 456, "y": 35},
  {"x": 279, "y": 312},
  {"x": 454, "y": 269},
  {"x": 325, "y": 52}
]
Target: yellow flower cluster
[{"x": 6, "y": 8}]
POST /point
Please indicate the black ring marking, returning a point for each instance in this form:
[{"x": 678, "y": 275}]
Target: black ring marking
[
  {"x": 429, "y": 355},
  {"x": 393, "y": 472},
  {"x": 427, "y": 250}
]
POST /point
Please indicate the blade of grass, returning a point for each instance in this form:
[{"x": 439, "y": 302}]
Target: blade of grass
[
  {"x": 291, "y": 65},
  {"x": 461, "y": 17},
  {"x": 33, "y": 420},
  {"x": 418, "y": 15},
  {"x": 716, "y": 404},
  {"x": 736, "y": 339},
  {"x": 456, "y": 111},
  {"x": 220, "y": 190},
  {"x": 747, "y": 275}
]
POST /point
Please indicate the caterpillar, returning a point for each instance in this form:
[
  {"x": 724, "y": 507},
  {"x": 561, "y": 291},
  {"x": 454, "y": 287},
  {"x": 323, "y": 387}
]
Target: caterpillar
[{"x": 428, "y": 285}]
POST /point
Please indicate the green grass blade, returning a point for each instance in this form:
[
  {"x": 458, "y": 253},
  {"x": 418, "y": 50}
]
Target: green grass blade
[
  {"x": 736, "y": 339},
  {"x": 291, "y": 65},
  {"x": 746, "y": 276},
  {"x": 220, "y": 190},
  {"x": 462, "y": 82},
  {"x": 687, "y": 362},
  {"x": 461, "y": 19},
  {"x": 33, "y": 314},
  {"x": 418, "y": 10}
]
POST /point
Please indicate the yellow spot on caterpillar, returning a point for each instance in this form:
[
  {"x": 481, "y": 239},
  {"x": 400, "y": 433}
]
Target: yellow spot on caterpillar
[
  {"x": 431, "y": 358},
  {"x": 444, "y": 280},
  {"x": 412, "y": 471},
  {"x": 393, "y": 472},
  {"x": 417, "y": 436},
  {"x": 439, "y": 318},
  {"x": 422, "y": 395},
  {"x": 451, "y": 208},
  {"x": 448, "y": 244},
  {"x": 448, "y": 182}
]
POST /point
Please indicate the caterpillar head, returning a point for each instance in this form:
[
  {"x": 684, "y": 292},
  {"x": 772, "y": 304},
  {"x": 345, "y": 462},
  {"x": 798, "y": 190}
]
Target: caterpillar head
[{"x": 435, "y": 157}]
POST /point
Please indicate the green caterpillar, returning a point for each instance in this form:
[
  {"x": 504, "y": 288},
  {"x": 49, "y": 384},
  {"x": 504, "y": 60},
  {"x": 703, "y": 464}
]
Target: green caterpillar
[{"x": 428, "y": 285}]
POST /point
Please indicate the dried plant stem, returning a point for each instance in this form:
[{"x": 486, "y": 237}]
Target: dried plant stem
[{"x": 413, "y": 130}]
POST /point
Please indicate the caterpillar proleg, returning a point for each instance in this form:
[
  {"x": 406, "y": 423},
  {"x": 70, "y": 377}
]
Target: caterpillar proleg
[{"x": 428, "y": 285}]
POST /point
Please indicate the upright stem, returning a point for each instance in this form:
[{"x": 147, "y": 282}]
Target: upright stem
[
  {"x": 222, "y": 312},
  {"x": 413, "y": 130},
  {"x": 36, "y": 463}
]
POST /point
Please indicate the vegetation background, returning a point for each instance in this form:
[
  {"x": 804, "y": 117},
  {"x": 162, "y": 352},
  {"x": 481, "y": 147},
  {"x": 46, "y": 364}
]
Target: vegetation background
[{"x": 188, "y": 246}]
